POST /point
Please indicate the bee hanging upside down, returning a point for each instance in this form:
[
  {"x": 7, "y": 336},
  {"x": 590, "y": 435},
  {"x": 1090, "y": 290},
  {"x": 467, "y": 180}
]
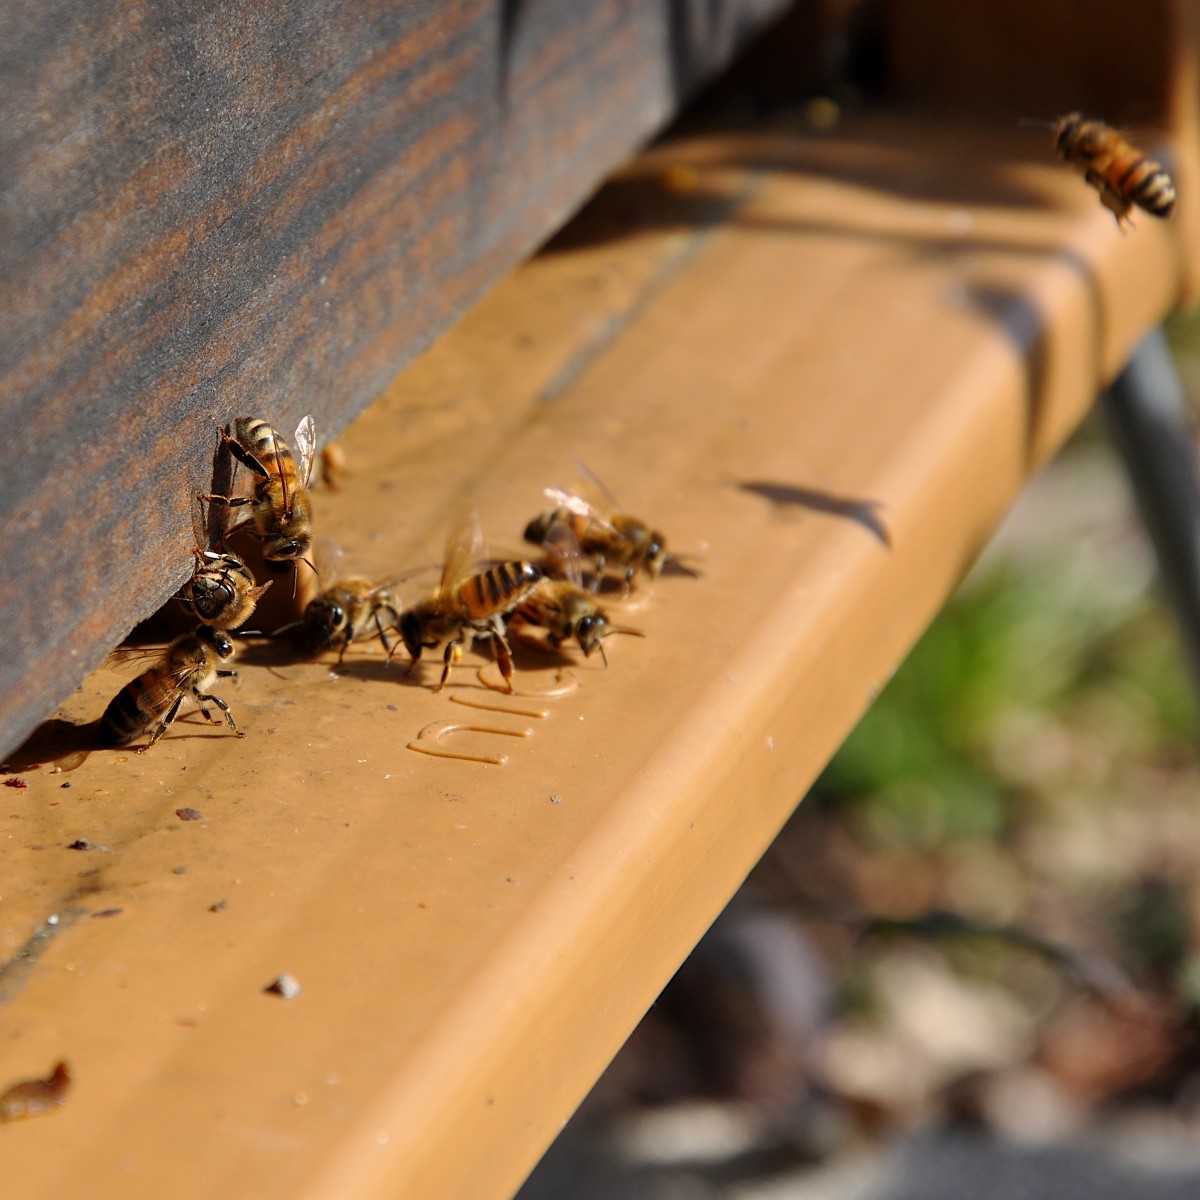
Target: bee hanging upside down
[
  {"x": 150, "y": 703},
  {"x": 280, "y": 505},
  {"x": 1123, "y": 175},
  {"x": 221, "y": 592},
  {"x": 469, "y": 603}
]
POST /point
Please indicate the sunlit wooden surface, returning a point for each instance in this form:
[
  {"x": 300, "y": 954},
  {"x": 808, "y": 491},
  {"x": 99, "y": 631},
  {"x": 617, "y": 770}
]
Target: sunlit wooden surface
[{"x": 824, "y": 365}]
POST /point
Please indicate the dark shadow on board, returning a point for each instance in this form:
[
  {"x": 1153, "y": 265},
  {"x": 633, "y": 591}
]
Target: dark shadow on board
[{"x": 861, "y": 512}]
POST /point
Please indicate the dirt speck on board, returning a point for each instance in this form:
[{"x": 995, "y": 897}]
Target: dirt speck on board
[
  {"x": 189, "y": 814},
  {"x": 108, "y": 912},
  {"x": 15, "y": 782},
  {"x": 285, "y": 985},
  {"x": 81, "y": 844},
  {"x": 220, "y": 906},
  {"x": 35, "y": 1097}
]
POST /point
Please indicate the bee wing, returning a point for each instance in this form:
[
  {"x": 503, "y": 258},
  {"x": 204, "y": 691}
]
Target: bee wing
[
  {"x": 145, "y": 657},
  {"x": 200, "y": 524},
  {"x": 563, "y": 553},
  {"x": 328, "y": 557},
  {"x": 306, "y": 448},
  {"x": 575, "y": 503},
  {"x": 464, "y": 548},
  {"x": 598, "y": 484},
  {"x": 139, "y": 655}
]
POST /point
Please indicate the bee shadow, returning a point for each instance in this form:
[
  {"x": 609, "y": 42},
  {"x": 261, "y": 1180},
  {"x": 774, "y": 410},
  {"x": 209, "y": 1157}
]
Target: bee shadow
[
  {"x": 861, "y": 512},
  {"x": 64, "y": 743}
]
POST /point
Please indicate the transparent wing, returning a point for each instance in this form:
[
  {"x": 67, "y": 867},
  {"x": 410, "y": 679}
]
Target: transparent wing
[
  {"x": 328, "y": 558},
  {"x": 575, "y": 503},
  {"x": 599, "y": 485},
  {"x": 306, "y": 448},
  {"x": 464, "y": 548},
  {"x": 137, "y": 655},
  {"x": 563, "y": 553},
  {"x": 145, "y": 657}
]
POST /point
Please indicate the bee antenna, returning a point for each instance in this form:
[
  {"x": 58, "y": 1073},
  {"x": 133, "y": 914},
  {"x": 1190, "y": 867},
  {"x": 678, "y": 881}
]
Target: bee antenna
[
  {"x": 679, "y": 564},
  {"x": 600, "y": 647}
]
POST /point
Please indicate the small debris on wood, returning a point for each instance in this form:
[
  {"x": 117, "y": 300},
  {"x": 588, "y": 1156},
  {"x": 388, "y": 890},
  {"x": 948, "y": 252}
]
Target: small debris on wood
[
  {"x": 189, "y": 814},
  {"x": 108, "y": 912},
  {"x": 285, "y": 985},
  {"x": 81, "y": 844},
  {"x": 220, "y": 906},
  {"x": 16, "y": 782},
  {"x": 35, "y": 1097},
  {"x": 179, "y": 870}
]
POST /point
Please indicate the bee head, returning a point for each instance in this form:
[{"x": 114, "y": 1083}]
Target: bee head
[
  {"x": 1067, "y": 130},
  {"x": 217, "y": 639},
  {"x": 286, "y": 548},
  {"x": 324, "y": 617},
  {"x": 590, "y": 629},
  {"x": 655, "y": 555},
  {"x": 538, "y": 529}
]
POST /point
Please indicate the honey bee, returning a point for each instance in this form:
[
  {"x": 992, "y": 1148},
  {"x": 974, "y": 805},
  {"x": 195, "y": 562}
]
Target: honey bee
[
  {"x": 469, "y": 603},
  {"x": 280, "y": 507},
  {"x": 1120, "y": 172},
  {"x": 348, "y": 608},
  {"x": 613, "y": 537},
  {"x": 346, "y": 611},
  {"x": 221, "y": 592},
  {"x": 151, "y": 701},
  {"x": 560, "y": 603}
]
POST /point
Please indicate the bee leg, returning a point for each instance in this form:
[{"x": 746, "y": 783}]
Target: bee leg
[
  {"x": 243, "y": 455},
  {"x": 382, "y": 629},
  {"x": 503, "y": 656},
  {"x": 453, "y": 653},
  {"x": 201, "y": 697},
  {"x": 163, "y": 725},
  {"x": 598, "y": 575}
]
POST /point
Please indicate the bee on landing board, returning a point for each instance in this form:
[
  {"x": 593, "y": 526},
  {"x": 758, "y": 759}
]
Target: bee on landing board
[
  {"x": 614, "y": 537},
  {"x": 191, "y": 664},
  {"x": 469, "y": 603},
  {"x": 1123, "y": 175},
  {"x": 349, "y": 609},
  {"x": 560, "y": 603},
  {"x": 280, "y": 506}
]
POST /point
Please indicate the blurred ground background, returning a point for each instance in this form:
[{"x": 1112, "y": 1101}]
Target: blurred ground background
[{"x": 971, "y": 962}]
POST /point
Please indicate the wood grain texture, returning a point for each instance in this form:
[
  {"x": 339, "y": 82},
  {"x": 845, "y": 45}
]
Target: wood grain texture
[{"x": 212, "y": 208}]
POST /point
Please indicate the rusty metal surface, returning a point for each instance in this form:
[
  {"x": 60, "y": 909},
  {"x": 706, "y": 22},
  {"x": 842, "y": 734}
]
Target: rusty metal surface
[
  {"x": 215, "y": 208},
  {"x": 472, "y": 939}
]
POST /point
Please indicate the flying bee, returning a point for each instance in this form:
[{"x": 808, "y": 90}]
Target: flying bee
[
  {"x": 1120, "y": 172},
  {"x": 469, "y": 603},
  {"x": 280, "y": 506},
  {"x": 190, "y": 664},
  {"x": 562, "y": 605}
]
